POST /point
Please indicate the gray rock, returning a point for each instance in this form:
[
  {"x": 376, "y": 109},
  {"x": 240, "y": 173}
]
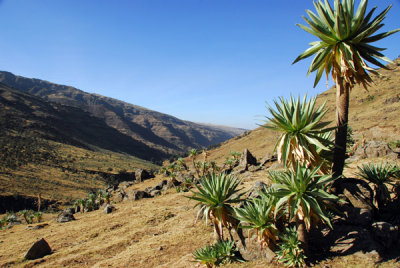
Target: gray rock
[
  {"x": 125, "y": 184},
  {"x": 65, "y": 216},
  {"x": 108, "y": 209},
  {"x": 269, "y": 158},
  {"x": 36, "y": 227},
  {"x": 38, "y": 250},
  {"x": 118, "y": 196},
  {"x": 254, "y": 252},
  {"x": 172, "y": 183},
  {"x": 155, "y": 193},
  {"x": 258, "y": 186},
  {"x": 136, "y": 195},
  {"x": 69, "y": 210},
  {"x": 372, "y": 149},
  {"x": 160, "y": 185},
  {"x": 246, "y": 160},
  {"x": 254, "y": 168},
  {"x": 141, "y": 175}
]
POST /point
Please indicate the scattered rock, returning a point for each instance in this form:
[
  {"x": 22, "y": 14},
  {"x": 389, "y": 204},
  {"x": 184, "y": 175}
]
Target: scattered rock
[
  {"x": 269, "y": 158},
  {"x": 392, "y": 100},
  {"x": 38, "y": 250},
  {"x": 141, "y": 175},
  {"x": 258, "y": 186},
  {"x": 118, "y": 196},
  {"x": 160, "y": 185},
  {"x": 36, "y": 227},
  {"x": 125, "y": 184},
  {"x": 136, "y": 195},
  {"x": 108, "y": 209},
  {"x": 172, "y": 183},
  {"x": 70, "y": 210},
  {"x": 65, "y": 216},
  {"x": 155, "y": 193},
  {"x": 246, "y": 160},
  {"x": 372, "y": 149}
]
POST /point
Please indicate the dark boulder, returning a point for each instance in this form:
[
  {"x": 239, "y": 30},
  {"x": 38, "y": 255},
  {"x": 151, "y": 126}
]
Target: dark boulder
[
  {"x": 142, "y": 174},
  {"x": 38, "y": 250},
  {"x": 65, "y": 216},
  {"x": 136, "y": 195},
  {"x": 246, "y": 160},
  {"x": 108, "y": 209}
]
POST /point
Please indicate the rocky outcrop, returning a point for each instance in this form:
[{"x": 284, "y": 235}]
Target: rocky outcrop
[
  {"x": 65, "y": 216},
  {"x": 246, "y": 160},
  {"x": 373, "y": 149}
]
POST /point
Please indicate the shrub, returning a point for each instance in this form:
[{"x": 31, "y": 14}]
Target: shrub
[
  {"x": 222, "y": 252},
  {"x": 379, "y": 175},
  {"x": 215, "y": 196},
  {"x": 206, "y": 255},
  {"x": 258, "y": 214},
  {"x": 290, "y": 252}
]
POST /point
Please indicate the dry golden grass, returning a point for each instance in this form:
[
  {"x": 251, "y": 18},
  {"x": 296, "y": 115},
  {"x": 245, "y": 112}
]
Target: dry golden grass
[
  {"x": 70, "y": 179},
  {"x": 157, "y": 232}
]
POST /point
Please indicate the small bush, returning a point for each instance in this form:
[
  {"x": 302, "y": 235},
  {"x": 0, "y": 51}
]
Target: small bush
[
  {"x": 379, "y": 175},
  {"x": 222, "y": 252},
  {"x": 206, "y": 255},
  {"x": 290, "y": 252}
]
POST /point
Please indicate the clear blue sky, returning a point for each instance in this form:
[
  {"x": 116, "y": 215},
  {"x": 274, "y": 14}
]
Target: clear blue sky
[{"x": 215, "y": 61}]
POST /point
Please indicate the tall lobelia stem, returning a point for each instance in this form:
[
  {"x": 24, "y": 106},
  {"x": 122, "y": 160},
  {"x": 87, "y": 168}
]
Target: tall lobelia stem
[{"x": 342, "y": 116}]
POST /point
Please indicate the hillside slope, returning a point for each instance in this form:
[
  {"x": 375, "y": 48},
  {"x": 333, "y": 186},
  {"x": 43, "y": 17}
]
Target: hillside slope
[
  {"x": 27, "y": 115},
  {"x": 60, "y": 151},
  {"x": 158, "y": 131},
  {"x": 373, "y": 114}
]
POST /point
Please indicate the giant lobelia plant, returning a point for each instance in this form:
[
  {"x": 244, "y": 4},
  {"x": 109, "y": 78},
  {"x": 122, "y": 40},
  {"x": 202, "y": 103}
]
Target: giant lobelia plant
[
  {"x": 344, "y": 47},
  {"x": 304, "y": 135}
]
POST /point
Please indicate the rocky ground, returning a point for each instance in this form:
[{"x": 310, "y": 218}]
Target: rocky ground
[{"x": 152, "y": 224}]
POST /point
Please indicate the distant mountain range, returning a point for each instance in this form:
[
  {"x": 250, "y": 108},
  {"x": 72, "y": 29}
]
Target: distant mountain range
[{"x": 69, "y": 115}]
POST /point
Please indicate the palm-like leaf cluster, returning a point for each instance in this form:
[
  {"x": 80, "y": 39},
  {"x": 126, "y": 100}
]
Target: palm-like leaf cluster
[
  {"x": 215, "y": 196},
  {"x": 258, "y": 215},
  {"x": 304, "y": 135},
  {"x": 379, "y": 175},
  {"x": 345, "y": 35},
  {"x": 303, "y": 194}
]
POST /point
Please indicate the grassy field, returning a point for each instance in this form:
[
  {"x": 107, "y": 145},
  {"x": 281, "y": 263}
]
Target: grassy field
[
  {"x": 67, "y": 173},
  {"x": 157, "y": 232}
]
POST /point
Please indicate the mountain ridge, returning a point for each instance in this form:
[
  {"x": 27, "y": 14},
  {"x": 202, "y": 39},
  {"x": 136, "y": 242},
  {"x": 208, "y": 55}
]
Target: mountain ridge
[{"x": 159, "y": 131}]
